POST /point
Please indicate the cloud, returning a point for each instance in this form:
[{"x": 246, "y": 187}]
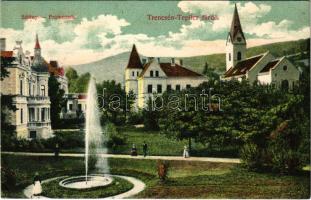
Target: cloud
[{"x": 102, "y": 36}]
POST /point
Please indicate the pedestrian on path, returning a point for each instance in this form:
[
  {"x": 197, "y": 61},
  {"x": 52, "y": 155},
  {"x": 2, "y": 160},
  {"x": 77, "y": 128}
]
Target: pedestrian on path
[
  {"x": 186, "y": 152},
  {"x": 56, "y": 150},
  {"x": 134, "y": 150},
  {"x": 145, "y": 149},
  {"x": 37, "y": 188}
]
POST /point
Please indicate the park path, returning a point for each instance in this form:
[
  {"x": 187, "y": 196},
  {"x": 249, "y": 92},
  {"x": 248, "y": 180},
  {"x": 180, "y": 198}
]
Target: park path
[{"x": 202, "y": 159}]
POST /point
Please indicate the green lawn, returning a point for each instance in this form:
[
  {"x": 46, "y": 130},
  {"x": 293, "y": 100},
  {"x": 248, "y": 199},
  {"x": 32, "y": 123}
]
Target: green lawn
[{"x": 187, "y": 179}]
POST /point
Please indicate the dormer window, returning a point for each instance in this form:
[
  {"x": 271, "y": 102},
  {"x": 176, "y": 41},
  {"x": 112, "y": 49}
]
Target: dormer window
[
  {"x": 157, "y": 73},
  {"x": 151, "y": 73}
]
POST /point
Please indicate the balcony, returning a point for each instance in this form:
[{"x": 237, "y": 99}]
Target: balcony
[
  {"x": 38, "y": 124},
  {"x": 38, "y": 100}
]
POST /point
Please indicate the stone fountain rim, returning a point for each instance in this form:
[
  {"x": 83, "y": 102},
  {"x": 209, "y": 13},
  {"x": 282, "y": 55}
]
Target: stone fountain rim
[
  {"x": 139, "y": 186},
  {"x": 62, "y": 182}
]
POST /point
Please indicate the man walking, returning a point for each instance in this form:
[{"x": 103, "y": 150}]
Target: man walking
[{"x": 145, "y": 149}]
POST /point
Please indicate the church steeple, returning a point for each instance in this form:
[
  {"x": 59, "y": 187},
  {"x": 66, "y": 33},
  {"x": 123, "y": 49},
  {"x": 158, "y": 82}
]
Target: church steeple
[
  {"x": 236, "y": 27},
  {"x": 236, "y": 42},
  {"x": 37, "y": 47}
]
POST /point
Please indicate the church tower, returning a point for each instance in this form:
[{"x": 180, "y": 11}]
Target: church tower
[
  {"x": 236, "y": 42},
  {"x": 132, "y": 72},
  {"x": 37, "y": 47}
]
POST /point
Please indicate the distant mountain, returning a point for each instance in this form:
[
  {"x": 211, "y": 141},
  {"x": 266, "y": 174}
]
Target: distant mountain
[{"x": 112, "y": 68}]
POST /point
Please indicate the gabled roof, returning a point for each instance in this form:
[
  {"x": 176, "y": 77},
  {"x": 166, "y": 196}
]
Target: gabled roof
[
  {"x": 243, "y": 66},
  {"x": 270, "y": 65},
  {"x": 134, "y": 61},
  {"x": 236, "y": 25},
  {"x": 7, "y": 54},
  {"x": 172, "y": 71}
]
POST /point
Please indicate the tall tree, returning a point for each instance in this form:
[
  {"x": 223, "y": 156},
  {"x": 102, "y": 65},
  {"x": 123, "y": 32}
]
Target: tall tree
[{"x": 57, "y": 102}]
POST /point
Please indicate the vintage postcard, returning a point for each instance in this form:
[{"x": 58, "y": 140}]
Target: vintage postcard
[{"x": 155, "y": 99}]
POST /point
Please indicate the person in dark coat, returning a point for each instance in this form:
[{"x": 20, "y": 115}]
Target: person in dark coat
[
  {"x": 145, "y": 149},
  {"x": 56, "y": 150}
]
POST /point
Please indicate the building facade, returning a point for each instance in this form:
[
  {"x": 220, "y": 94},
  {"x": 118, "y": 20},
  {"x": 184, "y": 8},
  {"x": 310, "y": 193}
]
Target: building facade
[
  {"x": 75, "y": 106},
  {"x": 154, "y": 76},
  {"x": 264, "y": 68},
  {"x": 28, "y": 84}
]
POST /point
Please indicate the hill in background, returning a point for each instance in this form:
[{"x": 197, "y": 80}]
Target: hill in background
[{"x": 112, "y": 68}]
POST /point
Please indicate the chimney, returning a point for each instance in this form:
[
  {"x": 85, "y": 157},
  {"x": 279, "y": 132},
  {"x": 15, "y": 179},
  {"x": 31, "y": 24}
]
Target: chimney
[
  {"x": 159, "y": 60},
  {"x": 144, "y": 60},
  {"x": 172, "y": 61},
  {"x": 2, "y": 44}
]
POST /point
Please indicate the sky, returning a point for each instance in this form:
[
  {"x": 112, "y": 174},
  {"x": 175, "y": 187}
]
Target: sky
[{"x": 105, "y": 28}]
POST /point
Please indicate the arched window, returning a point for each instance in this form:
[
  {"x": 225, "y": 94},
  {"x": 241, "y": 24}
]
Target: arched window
[
  {"x": 42, "y": 90},
  {"x": 239, "y": 55},
  {"x": 285, "y": 85}
]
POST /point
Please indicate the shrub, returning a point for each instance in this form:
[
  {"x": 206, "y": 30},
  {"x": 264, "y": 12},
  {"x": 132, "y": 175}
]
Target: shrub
[
  {"x": 135, "y": 118},
  {"x": 114, "y": 137},
  {"x": 251, "y": 156},
  {"x": 8, "y": 178}
]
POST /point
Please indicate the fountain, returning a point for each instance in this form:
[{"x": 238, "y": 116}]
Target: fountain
[{"x": 94, "y": 139}]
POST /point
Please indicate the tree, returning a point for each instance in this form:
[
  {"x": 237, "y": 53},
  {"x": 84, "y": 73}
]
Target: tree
[
  {"x": 8, "y": 134},
  {"x": 72, "y": 76},
  {"x": 57, "y": 102}
]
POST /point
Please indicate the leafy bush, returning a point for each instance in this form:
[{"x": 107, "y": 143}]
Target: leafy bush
[
  {"x": 251, "y": 156},
  {"x": 135, "y": 118},
  {"x": 114, "y": 137}
]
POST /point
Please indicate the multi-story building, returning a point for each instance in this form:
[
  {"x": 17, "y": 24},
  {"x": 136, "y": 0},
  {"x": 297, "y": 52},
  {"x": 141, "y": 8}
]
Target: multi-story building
[
  {"x": 264, "y": 68},
  {"x": 28, "y": 84},
  {"x": 75, "y": 106},
  {"x": 145, "y": 79}
]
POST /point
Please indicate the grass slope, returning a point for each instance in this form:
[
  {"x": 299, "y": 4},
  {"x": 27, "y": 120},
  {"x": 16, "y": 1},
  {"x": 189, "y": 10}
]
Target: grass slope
[
  {"x": 187, "y": 179},
  {"x": 218, "y": 62}
]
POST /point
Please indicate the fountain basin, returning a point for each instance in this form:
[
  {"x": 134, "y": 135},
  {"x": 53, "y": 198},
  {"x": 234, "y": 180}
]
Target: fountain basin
[{"x": 79, "y": 182}]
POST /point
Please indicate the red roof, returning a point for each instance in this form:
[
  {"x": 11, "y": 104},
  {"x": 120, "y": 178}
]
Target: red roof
[
  {"x": 270, "y": 65},
  {"x": 172, "y": 71},
  {"x": 7, "y": 54},
  {"x": 134, "y": 61},
  {"x": 236, "y": 25},
  {"x": 37, "y": 46},
  {"x": 243, "y": 66},
  {"x": 82, "y": 96}
]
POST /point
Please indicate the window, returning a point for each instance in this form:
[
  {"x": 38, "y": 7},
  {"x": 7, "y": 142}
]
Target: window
[
  {"x": 22, "y": 117},
  {"x": 168, "y": 88},
  {"x": 21, "y": 87},
  {"x": 239, "y": 39},
  {"x": 157, "y": 73},
  {"x": 188, "y": 86},
  {"x": 137, "y": 73},
  {"x": 159, "y": 88},
  {"x": 151, "y": 73},
  {"x": 29, "y": 89},
  {"x": 178, "y": 87},
  {"x": 229, "y": 56},
  {"x": 43, "y": 114},
  {"x": 285, "y": 85},
  {"x": 79, "y": 107},
  {"x": 33, "y": 134},
  {"x": 70, "y": 106},
  {"x": 284, "y": 67},
  {"x": 33, "y": 90},
  {"x": 149, "y": 88},
  {"x": 42, "y": 90},
  {"x": 133, "y": 73},
  {"x": 239, "y": 55}
]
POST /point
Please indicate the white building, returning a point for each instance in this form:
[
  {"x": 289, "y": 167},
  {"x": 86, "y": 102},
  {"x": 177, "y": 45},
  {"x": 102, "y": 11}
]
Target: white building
[
  {"x": 155, "y": 76},
  {"x": 75, "y": 106},
  {"x": 28, "y": 84},
  {"x": 264, "y": 68}
]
